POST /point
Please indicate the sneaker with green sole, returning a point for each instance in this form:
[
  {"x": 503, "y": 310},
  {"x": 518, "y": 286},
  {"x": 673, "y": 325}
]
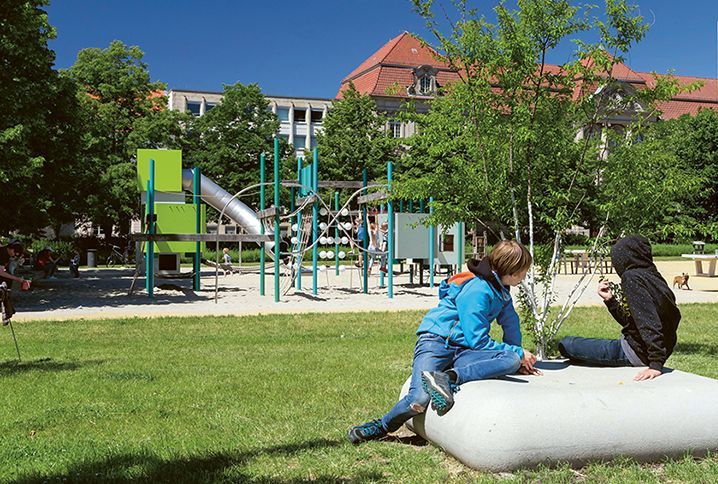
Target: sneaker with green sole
[
  {"x": 440, "y": 389},
  {"x": 372, "y": 430}
]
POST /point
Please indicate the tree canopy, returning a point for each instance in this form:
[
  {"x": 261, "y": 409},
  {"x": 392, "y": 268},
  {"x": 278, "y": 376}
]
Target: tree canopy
[
  {"x": 117, "y": 96},
  {"x": 39, "y": 136},
  {"x": 354, "y": 137},
  {"x": 520, "y": 145},
  {"x": 229, "y": 139}
]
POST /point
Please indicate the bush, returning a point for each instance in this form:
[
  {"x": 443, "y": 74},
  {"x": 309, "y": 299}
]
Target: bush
[{"x": 62, "y": 250}]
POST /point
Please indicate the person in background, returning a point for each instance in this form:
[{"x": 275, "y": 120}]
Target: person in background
[
  {"x": 46, "y": 263},
  {"x": 7, "y": 253},
  {"x": 75, "y": 264}
]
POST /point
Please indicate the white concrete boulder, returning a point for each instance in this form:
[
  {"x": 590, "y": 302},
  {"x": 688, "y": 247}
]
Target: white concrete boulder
[{"x": 575, "y": 414}]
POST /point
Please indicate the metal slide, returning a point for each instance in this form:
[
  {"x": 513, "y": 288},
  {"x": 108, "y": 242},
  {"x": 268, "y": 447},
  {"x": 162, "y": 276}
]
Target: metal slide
[{"x": 218, "y": 197}]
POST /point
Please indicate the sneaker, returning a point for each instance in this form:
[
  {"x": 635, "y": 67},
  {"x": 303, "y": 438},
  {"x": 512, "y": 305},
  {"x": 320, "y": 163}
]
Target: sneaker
[
  {"x": 372, "y": 430},
  {"x": 441, "y": 390}
]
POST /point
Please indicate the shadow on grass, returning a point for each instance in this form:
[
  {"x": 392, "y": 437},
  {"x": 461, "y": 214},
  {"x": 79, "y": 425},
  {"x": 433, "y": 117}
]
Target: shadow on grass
[
  {"x": 13, "y": 367},
  {"x": 707, "y": 349},
  {"x": 147, "y": 467}
]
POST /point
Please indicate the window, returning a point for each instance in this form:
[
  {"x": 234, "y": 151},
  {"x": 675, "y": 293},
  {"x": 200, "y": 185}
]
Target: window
[
  {"x": 300, "y": 141},
  {"x": 317, "y": 116},
  {"x": 447, "y": 243},
  {"x": 208, "y": 107},
  {"x": 193, "y": 107},
  {"x": 168, "y": 262},
  {"x": 230, "y": 229},
  {"x": 425, "y": 85},
  {"x": 313, "y": 142},
  {"x": 300, "y": 115},
  {"x": 395, "y": 129},
  {"x": 283, "y": 114}
]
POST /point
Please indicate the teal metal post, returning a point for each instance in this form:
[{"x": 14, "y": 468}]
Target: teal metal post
[
  {"x": 315, "y": 217},
  {"x": 460, "y": 255},
  {"x": 150, "y": 253},
  {"x": 197, "y": 192},
  {"x": 277, "y": 253},
  {"x": 411, "y": 206},
  {"x": 300, "y": 256},
  {"x": 336, "y": 233},
  {"x": 390, "y": 214},
  {"x": 262, "y": 204},
  {"x": 432, "y": 241},
  {"x": 421, "y": 206},
  {"x": 401, "y": 206},
  {"x": 365, "y": 259}
]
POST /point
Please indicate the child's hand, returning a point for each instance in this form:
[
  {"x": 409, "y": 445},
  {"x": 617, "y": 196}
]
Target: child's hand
[
  {"x": 527, "y": 364},
  {"x": 647, "y": 374},
  {"x": 604, "y": 290}
]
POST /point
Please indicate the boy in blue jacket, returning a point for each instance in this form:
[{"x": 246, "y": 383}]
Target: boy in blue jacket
[{"x": 454, "y": 346}]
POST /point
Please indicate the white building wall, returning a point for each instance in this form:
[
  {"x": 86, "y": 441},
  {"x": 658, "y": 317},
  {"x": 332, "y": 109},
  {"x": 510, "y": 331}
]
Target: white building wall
[{"x": 301, "y": 134}]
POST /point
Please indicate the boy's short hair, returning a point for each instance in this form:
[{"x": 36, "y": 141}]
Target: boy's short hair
[{"x": 509, "y": 257}]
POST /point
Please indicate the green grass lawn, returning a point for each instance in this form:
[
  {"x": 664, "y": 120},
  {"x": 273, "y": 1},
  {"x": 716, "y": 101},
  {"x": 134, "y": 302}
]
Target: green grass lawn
[{"x": 253, "y": 399}]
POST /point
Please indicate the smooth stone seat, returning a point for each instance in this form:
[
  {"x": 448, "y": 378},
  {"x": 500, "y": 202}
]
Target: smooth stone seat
[{"x": 575, "y": 414}]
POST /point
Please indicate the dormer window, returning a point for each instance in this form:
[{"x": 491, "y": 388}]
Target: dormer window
[
  {"x": 424, "y": 81},
  {"x": 425, "y": 85}
]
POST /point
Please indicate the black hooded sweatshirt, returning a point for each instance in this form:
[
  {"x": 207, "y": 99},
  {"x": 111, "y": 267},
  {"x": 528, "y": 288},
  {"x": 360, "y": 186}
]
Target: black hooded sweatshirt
[{"x": 650, "y": 328}]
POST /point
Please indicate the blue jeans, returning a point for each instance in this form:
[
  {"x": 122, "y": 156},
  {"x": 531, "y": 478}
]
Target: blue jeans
[
  {"x": 431, "y": 353},
  {"x": 594, "y": 351}
]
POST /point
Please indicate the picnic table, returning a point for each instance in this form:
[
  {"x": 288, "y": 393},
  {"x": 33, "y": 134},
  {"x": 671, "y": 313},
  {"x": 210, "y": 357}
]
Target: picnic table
[
  {"x": 575, "y": 261},
  {"x": 699, "y": 259}
]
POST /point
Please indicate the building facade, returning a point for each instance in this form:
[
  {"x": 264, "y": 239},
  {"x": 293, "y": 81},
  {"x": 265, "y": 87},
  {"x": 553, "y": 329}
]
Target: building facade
[
  {"x": 406, "y": 69},
  {"x": 301, "y": 118}
]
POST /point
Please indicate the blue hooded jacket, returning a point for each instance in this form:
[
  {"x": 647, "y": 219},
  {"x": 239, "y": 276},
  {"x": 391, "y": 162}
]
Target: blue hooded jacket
[{"x": 468, "y": 303}]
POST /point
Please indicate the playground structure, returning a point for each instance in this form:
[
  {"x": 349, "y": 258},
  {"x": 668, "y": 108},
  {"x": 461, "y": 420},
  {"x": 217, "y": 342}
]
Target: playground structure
[{"x": 172, "y": 227}]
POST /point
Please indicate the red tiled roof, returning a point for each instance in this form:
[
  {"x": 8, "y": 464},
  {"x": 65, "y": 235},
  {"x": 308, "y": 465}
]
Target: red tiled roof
[
  {"x": 706, "y": 96},
  {"x": 389, "y": 71},
  {"x": 673, "y": 109},
  {"x": 405, "y": 50},
  {"x": 365, "y": 84}
]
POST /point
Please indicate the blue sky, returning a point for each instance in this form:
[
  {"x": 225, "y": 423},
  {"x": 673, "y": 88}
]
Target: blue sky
[{"x": 305, "y": 48}]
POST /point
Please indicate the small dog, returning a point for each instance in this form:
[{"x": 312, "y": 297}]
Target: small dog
[{"x": 681, "y": 281}]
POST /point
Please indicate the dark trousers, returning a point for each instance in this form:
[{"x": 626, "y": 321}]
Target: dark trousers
[{"x": 593, "y": 351}]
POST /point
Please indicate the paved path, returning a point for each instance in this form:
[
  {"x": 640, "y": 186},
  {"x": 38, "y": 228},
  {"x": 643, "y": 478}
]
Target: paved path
[{"x": 102, "y": 293}]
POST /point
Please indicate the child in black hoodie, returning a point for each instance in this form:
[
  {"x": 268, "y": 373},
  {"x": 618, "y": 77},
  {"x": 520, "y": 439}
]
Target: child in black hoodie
[{"x": 647, "y": 314}]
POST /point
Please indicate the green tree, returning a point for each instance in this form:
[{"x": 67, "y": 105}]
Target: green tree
[
  {"x": 665, "y": 201},
  {"x": 117, "y": 97},
  {"x": 354, "y": 137},
  {"x": 38, "y": 129},
  {"x": 231, "y": 136},
  {"x": 503, "y": 140},
  {"x": 694, "y": 139}
]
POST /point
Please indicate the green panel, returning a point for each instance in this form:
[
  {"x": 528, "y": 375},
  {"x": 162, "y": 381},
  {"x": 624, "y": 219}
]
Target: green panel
[
  {"x": 178, "y": 218},
  {"x": 168, "y": 169}
]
